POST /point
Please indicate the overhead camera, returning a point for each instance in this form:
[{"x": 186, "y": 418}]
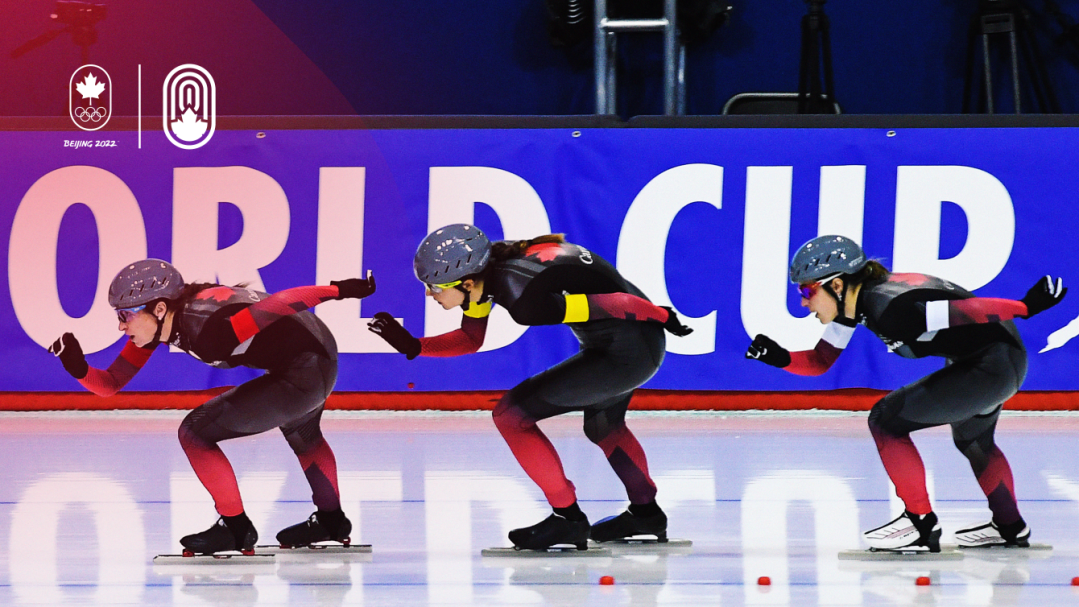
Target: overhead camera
[{"x": 79, "y": 14}]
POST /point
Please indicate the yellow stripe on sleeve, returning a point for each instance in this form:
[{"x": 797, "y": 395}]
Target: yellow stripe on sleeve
[
  {"x": 479, "y": 310},
  {"x": 576, "y": 308}
]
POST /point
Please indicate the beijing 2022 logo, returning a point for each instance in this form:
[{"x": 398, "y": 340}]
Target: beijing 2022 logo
[
  {"x": 189, "y": 112},
  {"x": 90, "y": 97}
]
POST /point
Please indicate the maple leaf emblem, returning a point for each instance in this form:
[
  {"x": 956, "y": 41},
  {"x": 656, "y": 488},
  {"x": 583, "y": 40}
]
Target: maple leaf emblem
[
  {"x": 216, "y": 294},
  {"x": 914, "y": 280},
  {"x": 189, "y": 128},
  {"x": 90, "y": 88},
  {"x": 545, "y": 252}
]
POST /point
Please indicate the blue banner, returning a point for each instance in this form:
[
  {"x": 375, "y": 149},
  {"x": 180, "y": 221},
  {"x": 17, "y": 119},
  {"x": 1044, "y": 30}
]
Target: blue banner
[{"x": 701, "y": 219}]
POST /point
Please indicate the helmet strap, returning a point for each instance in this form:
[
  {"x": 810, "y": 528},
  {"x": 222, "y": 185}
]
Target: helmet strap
[
  {"x": 838, "y": 297},
  {"x": 468, "y": 296},
  {"x": 160, "y": 327}
]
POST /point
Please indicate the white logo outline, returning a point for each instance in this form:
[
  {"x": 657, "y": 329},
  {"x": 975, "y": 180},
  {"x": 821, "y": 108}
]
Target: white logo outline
[
  {"x": 189, "y": 106},
  {"x": 71, "y": 88}
]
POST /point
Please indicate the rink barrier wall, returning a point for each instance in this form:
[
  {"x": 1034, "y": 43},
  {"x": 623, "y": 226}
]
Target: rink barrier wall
[{"x": 851, "y": 399}]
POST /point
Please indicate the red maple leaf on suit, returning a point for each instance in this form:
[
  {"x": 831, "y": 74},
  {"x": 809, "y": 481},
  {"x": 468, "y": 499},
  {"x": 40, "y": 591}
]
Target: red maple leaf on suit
[
  {"x": 914, "y": 280},
  {"x": 216, "y": 294},
  {"x": 545, "y": 252}
]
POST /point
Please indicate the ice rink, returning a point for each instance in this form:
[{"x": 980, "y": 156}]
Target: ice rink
[{"x": 88, "y": 499}]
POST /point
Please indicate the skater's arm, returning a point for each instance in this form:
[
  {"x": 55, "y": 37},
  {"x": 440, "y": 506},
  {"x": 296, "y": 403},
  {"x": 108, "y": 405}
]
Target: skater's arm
[
  {"x": 465, "y": 340},
  {"x": 557, "y": 308},
  {"x": 804, "y": 362},
  {"x": 951, "y": 313},
  {"x": 101, "y": 382},
  {"x": 248, "y": 322}
]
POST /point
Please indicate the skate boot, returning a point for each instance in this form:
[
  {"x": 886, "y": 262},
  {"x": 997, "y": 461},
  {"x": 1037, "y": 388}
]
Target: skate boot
[
  {"x": 321, "y": 526},
  {"x": 552, "y": 530},
  {"x": 1015, "y": 535},
  {"x": 909, "y": 532},
  {"x": 237, "y": 534},
  {"x": 628, "y": 524}
]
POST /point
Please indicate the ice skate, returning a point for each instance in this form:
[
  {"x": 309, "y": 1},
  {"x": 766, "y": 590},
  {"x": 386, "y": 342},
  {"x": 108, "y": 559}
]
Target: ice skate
[
  {"x": 989, "y": 534},
  {"x": 221, "y": 538},
  {"x": 907, "y": 533},
  {"x": 628, "y": 525},
  {"x": 551, "y": 531},
  {"x": 319, "y": 527}
]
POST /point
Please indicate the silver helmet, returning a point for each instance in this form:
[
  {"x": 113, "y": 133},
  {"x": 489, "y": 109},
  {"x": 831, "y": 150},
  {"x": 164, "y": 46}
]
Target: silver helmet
[
  {"x": 450, "y": 253},
  {"x": 826, "y": 256},
  {"x": 143, "y": 282}
]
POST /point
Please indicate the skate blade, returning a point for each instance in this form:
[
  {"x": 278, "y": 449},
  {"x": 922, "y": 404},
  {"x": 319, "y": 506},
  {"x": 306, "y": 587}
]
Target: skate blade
[
  {"x": 316, "y": 549},
  {"x": 1003, "y": 548},
  {"x": 1006, "y": 554},
  {"x": 214, "y": 559},
  {"x": 645, "y": 545},
  {"x": 947, "y": 553},
  {"x": 553, "y": 551}
]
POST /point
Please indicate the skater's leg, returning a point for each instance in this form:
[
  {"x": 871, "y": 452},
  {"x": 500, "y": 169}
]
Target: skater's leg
[
  {"x": 316, "y": 459},
  {"x": 1001, "y": 374},
  {"x": 532, "y": 448},
  {"x": 974, "y": 439},
  {"x": 953, "y": 394},
  {"x": 606, "y": 427},
  {"x": 256, "y": 406}
]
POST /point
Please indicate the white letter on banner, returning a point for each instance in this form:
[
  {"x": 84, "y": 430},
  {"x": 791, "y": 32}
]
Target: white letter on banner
[
  {"x": 32, "y": 252},
  {"x": 765, "y": 265},
  {"x": 453, "y": 195},
  {"x": 990, "y": 216},
  {"x": 649, "y": 220},
  {"x": 340, "y": 255},
  {"x": 264, "y": 206}
]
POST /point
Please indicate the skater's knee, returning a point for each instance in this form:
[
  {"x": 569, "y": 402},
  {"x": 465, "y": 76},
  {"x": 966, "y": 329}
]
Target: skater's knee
[
  {"x": 599, "y": 429},
  {"x": 189, "y": 437},
  {"x": 509, "y": 417},
  {"x": 305, "y": 436}
]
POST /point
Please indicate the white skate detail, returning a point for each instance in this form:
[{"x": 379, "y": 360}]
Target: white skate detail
[
  {"x": 899, "y": 534},
  {"x": 983, "y": 535},
  {"x": 1061, "y": 336}
]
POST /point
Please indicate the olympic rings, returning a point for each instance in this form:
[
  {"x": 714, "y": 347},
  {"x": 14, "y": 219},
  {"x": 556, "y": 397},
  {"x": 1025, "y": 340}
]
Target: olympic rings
[{"x": 87, "y": 115}]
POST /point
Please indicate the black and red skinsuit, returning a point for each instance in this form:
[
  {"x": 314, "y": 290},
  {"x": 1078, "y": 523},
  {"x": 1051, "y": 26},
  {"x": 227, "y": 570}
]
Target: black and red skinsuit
[
  {"x": 622, "y": 346},
  {"x": 228, "y": 327},
  {"x": 916, "y": 316}
]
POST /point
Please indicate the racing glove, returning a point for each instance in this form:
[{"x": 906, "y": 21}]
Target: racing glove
[
  {"x": 768, "y": 351},
  {"x": 673, "y": 325},
  {"x": 355, "y": 288},
  {"x": 1044, "y": 295},
  {"x": 68, "y": 350},
  {"x": 386, "y": 326}
]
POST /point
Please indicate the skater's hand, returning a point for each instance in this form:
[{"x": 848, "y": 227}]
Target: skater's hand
[
  {"x": 68, "y": 350},
  {"x": 1044, "y": 295},
  {"x": 673, "y": 325},
  {"x": 355, "y": 288},
  {"x": 768, "y": 351},
  {"x": 386, "y": 326}
]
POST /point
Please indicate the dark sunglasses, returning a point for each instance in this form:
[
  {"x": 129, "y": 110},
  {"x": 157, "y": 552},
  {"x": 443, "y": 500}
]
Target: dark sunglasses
[
  {"x": 808, "y": 291},
  {"x": 126, "y": 314}
]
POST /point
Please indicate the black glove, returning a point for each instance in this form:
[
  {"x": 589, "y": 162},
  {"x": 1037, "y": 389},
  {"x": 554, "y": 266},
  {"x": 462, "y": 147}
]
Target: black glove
[
  {"x": 355, "y": 288},
  {"x": 673, "y": 326},
  {"x": 68, "y": 350},
  {"x": 1044, "y": 295},
  {"x": 768, "y": 351},
  {"x": 387, "y": 327}
]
